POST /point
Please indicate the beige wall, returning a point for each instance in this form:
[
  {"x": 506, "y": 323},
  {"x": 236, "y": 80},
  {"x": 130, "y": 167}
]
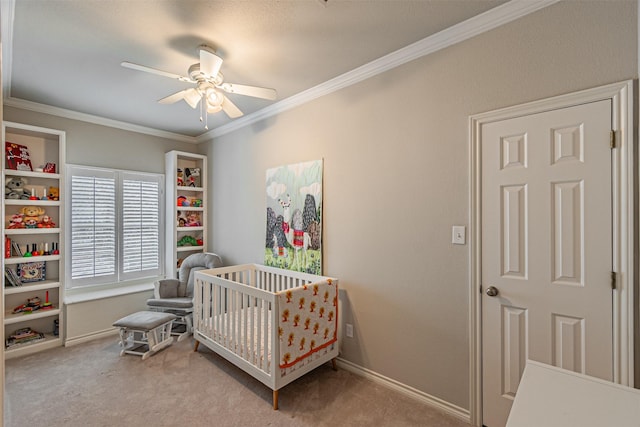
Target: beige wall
[
  {"x": 101, "y": 146},
  {"x": 88, "y": 319},
  {"x": 396, "y": 174}
]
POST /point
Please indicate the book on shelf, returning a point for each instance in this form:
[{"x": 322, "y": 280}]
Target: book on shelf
[
  {"x": 23, "y": 336},
  {"x": 32, "y": 271},
  {"x": 18, "y": 157},
  {"x": 11, "y": 278},
  {"x": 16, "y": 249},
  {"x": 14, "y": 276}
]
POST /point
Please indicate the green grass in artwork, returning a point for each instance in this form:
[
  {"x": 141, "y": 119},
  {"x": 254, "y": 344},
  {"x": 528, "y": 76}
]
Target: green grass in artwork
[{"x": 309, "y": 263}]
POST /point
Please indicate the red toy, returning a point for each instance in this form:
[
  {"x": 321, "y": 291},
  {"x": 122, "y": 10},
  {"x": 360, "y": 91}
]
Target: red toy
[
  {"x": 16, "y": 221},
  {"x": 46, "y": 222}
]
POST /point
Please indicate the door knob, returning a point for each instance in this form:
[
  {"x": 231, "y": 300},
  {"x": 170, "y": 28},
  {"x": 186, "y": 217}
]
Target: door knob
[{"x": 492, "y": 291}]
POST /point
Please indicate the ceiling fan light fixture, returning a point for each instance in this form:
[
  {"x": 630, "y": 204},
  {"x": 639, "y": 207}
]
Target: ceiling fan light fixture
[
  {"x": 211, "y": 109},
  {"x": 214, "y": 98}
]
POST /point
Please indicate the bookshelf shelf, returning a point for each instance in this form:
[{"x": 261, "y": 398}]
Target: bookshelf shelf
[
  {"x": 189, "y": 248},
  {"x": 28, "y": 231},
  {"x": 12, "y": 319},
  {"x": 50, "y": 341},
  {"x": 32, "y": 287},
  {"x": 22, "y": 260},
  {"x": 189, "y": 208},
  {"x": 32, "y": 174},
  {"x": 16, "y": 202}
]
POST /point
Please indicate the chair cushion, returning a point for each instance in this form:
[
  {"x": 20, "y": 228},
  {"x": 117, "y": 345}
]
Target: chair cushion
[
  {"x": 170, "y": 302},
  {"x": 190, "y": 265},
  {"x": 168, "y": 288},
  {"x": 144, "y": 320}
]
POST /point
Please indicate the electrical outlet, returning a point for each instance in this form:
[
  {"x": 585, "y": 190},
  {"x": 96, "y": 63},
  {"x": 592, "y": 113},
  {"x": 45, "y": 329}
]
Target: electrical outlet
[{"x": 349, "y": 330}]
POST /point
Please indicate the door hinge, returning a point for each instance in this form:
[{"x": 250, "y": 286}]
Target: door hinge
[
  {"x": 612, "y": 139},
  {"x": 614, "y": 277}
]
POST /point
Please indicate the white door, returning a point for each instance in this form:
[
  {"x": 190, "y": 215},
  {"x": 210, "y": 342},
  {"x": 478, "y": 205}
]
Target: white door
[{"x": 546, "y": 248}]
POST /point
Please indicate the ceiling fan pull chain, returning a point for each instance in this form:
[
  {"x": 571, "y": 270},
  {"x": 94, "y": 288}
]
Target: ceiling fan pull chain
[
  {"x": 201, "y": 107},
  {"x": 203, "y": 111}
]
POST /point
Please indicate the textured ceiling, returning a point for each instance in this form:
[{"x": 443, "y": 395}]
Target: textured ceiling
[{"x": 67, "y": 53}]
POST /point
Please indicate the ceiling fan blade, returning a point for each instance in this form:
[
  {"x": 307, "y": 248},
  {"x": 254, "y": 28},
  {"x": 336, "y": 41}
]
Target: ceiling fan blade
[
  {"x": 173, "y": 98},
  {"x": 256, "y": 92},
  {"x": 210, "y": 63},
  {"x": 155, "y": 71},
  {"x": 230, "y": 108},
  {"x": 192, "y": 97}
]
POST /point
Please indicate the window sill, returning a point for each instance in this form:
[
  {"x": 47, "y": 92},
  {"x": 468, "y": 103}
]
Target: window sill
[{"x": 84, "y": 295}]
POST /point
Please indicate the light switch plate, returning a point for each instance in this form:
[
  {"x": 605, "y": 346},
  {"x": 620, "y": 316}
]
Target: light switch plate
[{"x": 458, "y": 235}]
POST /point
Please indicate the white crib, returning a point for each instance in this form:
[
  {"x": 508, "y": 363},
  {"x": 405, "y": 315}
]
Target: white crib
[{"x": 274, "y": 324}]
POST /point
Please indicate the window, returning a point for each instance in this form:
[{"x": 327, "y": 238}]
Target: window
[{"x": 114, "y": 226}]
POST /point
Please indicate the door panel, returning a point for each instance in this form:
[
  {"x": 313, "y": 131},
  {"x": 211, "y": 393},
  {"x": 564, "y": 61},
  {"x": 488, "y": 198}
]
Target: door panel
[{"x": 546, "y": 248}]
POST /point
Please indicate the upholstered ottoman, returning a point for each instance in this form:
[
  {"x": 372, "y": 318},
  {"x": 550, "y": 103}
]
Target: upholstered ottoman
[{"x": 145, "y": 332}]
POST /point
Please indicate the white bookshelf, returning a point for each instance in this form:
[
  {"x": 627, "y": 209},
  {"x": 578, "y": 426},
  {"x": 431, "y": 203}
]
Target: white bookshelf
[
  {"x": 180, "y": 238},
  {"x": 44, "y": 145}
]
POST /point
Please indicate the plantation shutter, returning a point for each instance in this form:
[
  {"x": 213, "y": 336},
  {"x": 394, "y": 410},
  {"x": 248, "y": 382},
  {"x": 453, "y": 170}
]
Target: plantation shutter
[
  {"x": 140, "y": 225},
  {"x": 113, "y": 231},
  {"x": 93, "y": 227}
]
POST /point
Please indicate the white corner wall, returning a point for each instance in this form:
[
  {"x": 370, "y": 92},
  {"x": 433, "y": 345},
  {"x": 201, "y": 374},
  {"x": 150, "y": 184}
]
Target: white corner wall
[{"x": 396, "y": 155}]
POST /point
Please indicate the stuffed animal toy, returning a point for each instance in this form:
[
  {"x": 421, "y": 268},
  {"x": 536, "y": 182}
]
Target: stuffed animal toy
[
  {"x": 193, "y": 220},
  {"x": 191, "y": 174},
  {"x": 187, "y": 241},
  {"x": 14, "y": 188},
  {"x": 16, "y": 221},
  {"x": 46, "y": 222},
  {"x": 32, "y": 215},
  {"x": 54, "y": 193},
  {"x": 182, "y": 221}
]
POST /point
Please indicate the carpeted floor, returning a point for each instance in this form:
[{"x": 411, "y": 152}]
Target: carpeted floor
[{"x": 91, "y": 385}]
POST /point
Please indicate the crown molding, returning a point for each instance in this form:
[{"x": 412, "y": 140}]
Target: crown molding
[
  {"x": 74, "y": 115},
  {"x": 465, "y": 30}
]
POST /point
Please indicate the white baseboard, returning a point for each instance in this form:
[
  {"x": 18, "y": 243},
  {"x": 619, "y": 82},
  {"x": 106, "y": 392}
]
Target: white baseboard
[
  {"x": 90, "y": 337},
  {"x": 433, "y": 401}
]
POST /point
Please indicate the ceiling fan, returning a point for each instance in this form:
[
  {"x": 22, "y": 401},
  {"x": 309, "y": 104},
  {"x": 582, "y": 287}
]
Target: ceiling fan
[{"x": 209, "y": 86}]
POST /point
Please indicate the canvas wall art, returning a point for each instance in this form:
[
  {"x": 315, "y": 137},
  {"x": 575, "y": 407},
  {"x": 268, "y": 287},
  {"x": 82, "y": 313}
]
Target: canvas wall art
[{"x": 294, "y": 217}]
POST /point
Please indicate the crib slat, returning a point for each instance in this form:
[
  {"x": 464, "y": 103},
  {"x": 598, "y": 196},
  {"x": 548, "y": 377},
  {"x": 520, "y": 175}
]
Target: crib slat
[
  {"x": 236, "y": 315},
  {"x": 197, "y": 303},
  {"x": 265, "y": 345},
  {"x": 234, "y": 325},
  {"x": 223, "y": 318},
  {"x": 249, "y": 328},
  {"x": 245, "y": 342},
  {"x": 218, "y": 318},
  {"x": 259, "y": 357},
  {"x": 205, "y": 289}
]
